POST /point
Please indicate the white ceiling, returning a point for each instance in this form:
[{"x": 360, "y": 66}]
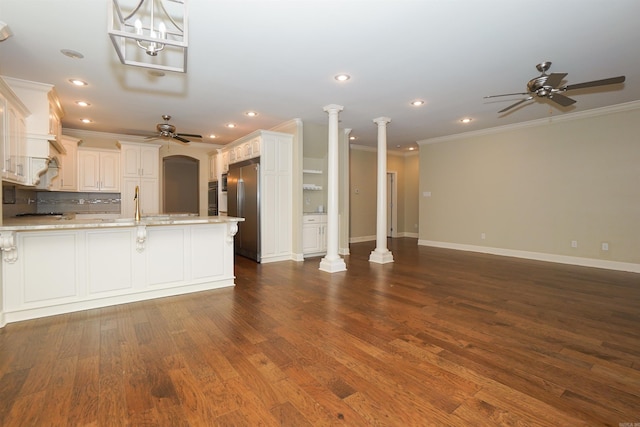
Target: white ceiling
[{"x": 279, "y": 58}]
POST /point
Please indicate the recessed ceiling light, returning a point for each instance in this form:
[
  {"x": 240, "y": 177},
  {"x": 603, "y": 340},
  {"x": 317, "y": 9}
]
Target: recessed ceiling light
[
  {"x": 411, "y": 148},
  {"x": 72, "y": 53},
  {"x": 353, "y": 138},
  {"x": 465, "y": 120},
  {"x": 86, "y": 120},
  {"x": 77, "y": 82},
  {"x": 417, "y": 103},
  {"x": 230, "y": 125},
  {"x": 251, "y": 113},
  {"x": 82, "y": 103},
  {"x": 212, "y": 136},
  {"x": 342, "y": 77}
]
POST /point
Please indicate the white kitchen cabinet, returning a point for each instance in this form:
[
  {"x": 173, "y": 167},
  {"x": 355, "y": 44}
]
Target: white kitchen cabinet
[
  {"x": 98, "y": 170},
  {"x": 67, "y": 179},
  {"x": 314, "y": 239},
  {"x": 140, "y": 165},
  {"x": 148, "y": 193},
  {"x": 139, "y": 160},
  {"x": 12, "y": 135},
  {"x": 212, "y": 167},
  {"x": 225, "y": 161},
  {"x": 61, "y": 270},
  {"x": 16, "y": 166}
]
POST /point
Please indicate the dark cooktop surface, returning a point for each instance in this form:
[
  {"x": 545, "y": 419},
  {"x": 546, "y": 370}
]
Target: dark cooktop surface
[{"x": 40, "y": 214}]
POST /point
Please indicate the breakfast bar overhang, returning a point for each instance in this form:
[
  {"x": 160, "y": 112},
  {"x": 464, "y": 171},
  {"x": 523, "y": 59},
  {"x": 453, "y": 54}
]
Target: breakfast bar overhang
[{"x": 60, "y": 266}]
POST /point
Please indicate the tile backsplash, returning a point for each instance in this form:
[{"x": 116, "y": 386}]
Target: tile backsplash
[{"x": 31, "y": 201}]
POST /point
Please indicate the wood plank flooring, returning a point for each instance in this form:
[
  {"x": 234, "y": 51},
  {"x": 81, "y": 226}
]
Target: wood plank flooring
[{"x": 437, "y": 338}]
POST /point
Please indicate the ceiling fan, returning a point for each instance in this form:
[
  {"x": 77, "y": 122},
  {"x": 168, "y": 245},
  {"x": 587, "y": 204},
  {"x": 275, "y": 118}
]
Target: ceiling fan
[
  {"x": 168, "y": 130},
  {"x": 547, "y": 86}
]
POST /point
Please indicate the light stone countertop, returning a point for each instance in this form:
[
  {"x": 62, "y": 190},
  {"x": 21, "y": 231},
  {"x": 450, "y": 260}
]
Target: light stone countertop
[{"x": 66, "y": 223}]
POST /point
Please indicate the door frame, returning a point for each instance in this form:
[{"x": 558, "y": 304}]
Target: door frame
[{"x": 392, "y": 204}]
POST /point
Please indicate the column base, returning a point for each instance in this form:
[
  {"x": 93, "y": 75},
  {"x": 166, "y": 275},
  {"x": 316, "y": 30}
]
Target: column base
[
  {"x": 332, "y": 265},
  {"x": 381, "y": 257}
]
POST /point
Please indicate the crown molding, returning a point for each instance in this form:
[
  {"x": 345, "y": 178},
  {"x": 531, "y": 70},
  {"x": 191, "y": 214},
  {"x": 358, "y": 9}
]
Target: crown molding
[{"x": 595, "y": 112}]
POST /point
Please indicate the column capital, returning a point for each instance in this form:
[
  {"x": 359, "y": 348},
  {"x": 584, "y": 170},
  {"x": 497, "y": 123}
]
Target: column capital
[
  {"x": 333, "y": 108},
  {"x": 382, "y": 120}
]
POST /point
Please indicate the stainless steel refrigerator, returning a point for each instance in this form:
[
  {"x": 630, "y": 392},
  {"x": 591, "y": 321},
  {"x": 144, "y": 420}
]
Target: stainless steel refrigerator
[{"x": 243, "y": 198}]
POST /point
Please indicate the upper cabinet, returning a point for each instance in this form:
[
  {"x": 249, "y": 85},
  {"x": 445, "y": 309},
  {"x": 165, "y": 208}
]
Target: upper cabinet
[
  {"x": 98, "y": 170},
  {"x": 67, "y": 177},
  {"x": 212, "y": 166},
  {"x": 29, "y": 130},
  {"x": 13, "y": 135},
  {"x": 44, "y": 122},
  {"x": 139, "y": 160}
]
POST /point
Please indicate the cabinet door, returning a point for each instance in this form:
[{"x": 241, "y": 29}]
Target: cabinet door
[
  {"x": 88, "y": 170},
  {"x": 110, "y": 172},
  {"x": 212, "y": 167},
  {"x": 149, "y": 196},
  {"x": 149, "y": 193},
  {"x": 130, "y": 161},
  {"x": 3, "y": 135},
  {"x": 139, "y": 161},
  {"x": 310, "y": 238},
  {"x": 149, "y": 162},
  {"x": 68, "y": 172}
]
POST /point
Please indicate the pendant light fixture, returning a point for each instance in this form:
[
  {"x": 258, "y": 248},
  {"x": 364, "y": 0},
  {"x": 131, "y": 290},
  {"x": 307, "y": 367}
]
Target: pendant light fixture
[{"x": 150, "y": 33}]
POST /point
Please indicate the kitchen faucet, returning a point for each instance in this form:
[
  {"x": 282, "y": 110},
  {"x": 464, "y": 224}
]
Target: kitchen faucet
[{"x": 136, "y": 197}]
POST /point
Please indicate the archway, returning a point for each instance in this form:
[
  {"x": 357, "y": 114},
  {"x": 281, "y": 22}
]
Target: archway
[{"x": 181, "y": 185}]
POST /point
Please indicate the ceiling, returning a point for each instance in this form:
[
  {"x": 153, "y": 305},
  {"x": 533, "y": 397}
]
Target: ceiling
[{"x": 279, "y": 58}]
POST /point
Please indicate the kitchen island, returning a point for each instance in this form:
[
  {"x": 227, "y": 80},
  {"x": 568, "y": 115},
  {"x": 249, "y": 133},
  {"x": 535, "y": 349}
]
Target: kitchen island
[{"x": 62, "y": 265}]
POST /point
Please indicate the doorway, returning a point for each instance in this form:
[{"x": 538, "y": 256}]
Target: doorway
[
  {"x": 392, "y": 204},
  {"x": 181, "y": 185}
]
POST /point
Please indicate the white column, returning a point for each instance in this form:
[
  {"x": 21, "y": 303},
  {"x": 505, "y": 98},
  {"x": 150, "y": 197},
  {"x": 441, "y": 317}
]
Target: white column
[
  {"x": 381, "y": 254},
  {"x": 332, "y": 262}
]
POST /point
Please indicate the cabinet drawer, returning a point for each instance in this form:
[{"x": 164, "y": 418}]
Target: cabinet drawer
[{"x": 314, "y": 219}]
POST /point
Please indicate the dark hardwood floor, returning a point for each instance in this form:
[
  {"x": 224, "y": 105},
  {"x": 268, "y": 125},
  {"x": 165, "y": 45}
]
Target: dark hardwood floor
[{"x": 437, "y": 338}]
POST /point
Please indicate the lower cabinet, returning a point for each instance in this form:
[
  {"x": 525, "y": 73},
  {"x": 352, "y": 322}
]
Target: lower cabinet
[
  {"x": 314, "y": 236},
  {"x": 80, "y": 269}
]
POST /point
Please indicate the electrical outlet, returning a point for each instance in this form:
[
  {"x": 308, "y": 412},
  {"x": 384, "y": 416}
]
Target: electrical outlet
[
  {"x": 483, "y": 236},
  {"x": 605, "y": 246},
  {"x": 574, "y": 243}
]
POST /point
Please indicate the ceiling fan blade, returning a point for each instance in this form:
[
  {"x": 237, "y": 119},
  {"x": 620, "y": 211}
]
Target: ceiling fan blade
[
  {"x": 190, "y": 135},
  {"x": 515, "y": 105},
  {"x": 506, "y": 94},
  {"x": 603, "y": 82},
  {"x": 179, "y": 138},
  {"x": 565, "y": 101},
  {"x": 554, "y": 79}
]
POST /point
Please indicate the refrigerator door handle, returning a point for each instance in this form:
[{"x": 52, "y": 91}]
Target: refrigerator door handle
[{"x": 240, "y": 198}]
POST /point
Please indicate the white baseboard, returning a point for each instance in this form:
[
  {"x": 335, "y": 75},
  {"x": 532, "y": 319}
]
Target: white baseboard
[
  {"x": 362, "y": 239},
  {"x": 538, "y": 256},
  {"x": 407, "y": 234}
]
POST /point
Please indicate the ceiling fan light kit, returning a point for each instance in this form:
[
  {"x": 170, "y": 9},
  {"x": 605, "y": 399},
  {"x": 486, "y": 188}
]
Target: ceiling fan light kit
[
  {"x": 548, "y": 86},
  {"x": 150, "y": 33}
]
